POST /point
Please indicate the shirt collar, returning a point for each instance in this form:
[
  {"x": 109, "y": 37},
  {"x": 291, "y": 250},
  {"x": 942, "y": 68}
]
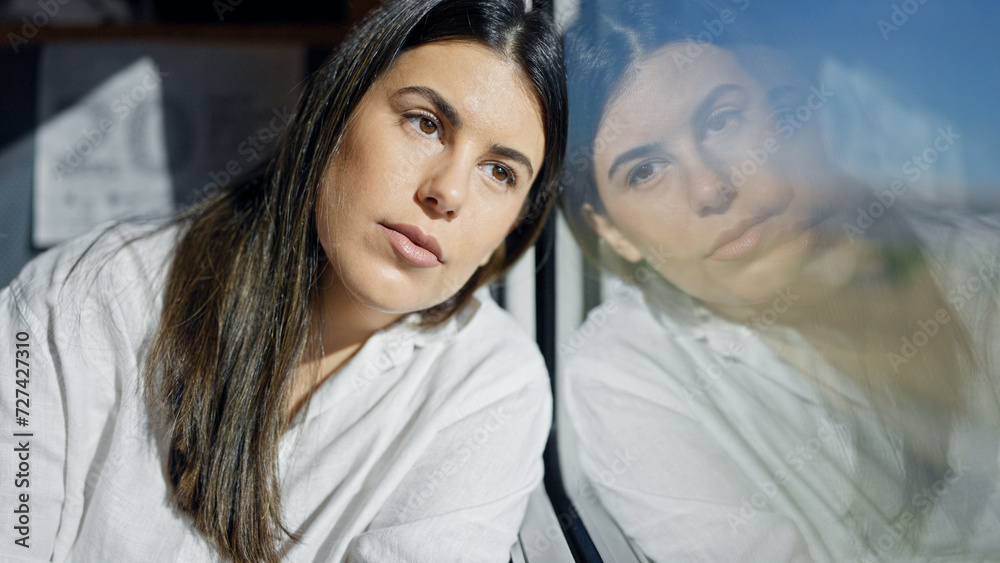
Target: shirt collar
[{"x": 687, "y": 319}]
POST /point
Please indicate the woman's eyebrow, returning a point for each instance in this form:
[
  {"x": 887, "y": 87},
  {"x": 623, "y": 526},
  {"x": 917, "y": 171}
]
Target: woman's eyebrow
[
  {"x": 446, "y": 109},
  {"x": 632, "y": 154}
]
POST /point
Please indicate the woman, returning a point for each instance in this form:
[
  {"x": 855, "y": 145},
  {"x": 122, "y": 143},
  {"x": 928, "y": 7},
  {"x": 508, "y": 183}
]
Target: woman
[
  {"x": 787, "y": 386},
  {"x": 302, "y": 368}
]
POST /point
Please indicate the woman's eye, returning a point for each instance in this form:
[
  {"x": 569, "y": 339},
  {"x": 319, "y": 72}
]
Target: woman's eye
[
  {"x": 643, "y": 172},
  {"x": 501, "y": 173},
  {"x": 425, "y": 125},
  {"x": 721, "y": 121}
]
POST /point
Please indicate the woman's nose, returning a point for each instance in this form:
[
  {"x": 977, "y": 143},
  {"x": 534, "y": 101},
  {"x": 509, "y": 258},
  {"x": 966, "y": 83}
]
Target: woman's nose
[
  {"x": 445, "y": 189},
  {"x": 711, "y": 192}
]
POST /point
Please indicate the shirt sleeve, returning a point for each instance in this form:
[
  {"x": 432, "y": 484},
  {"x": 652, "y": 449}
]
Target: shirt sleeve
[
  {"x": 465, "y": 498},
  {"x": 664, "y": 478}
]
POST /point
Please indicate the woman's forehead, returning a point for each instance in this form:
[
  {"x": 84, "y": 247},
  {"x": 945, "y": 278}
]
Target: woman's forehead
[
  {"x": 476, "y": 74},
  {"x": 664, "y": 88},
  {"x": 679, "y": 72},
  {"x": 668, "y": 85}
]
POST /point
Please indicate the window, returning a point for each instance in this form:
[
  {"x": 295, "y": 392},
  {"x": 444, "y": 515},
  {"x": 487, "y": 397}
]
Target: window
[{"x": 788, "y": 350}]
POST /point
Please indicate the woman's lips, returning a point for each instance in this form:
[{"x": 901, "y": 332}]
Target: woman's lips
[
  {"x": 739, "y": 240},
  {"x": 413, "y": 244}
]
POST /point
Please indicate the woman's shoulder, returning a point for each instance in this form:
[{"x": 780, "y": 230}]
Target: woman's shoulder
[
  {"x": 139, "y": 244},
  {"x": 108, "y": 268},
  {"x": 485, "y": 331},
  {"x": 483, "y": 355}
]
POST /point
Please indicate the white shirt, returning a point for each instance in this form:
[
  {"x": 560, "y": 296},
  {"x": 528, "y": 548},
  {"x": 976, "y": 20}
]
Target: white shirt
[
  {"x": 423, "y": 447},
  {"x": 704, "y": 445}
]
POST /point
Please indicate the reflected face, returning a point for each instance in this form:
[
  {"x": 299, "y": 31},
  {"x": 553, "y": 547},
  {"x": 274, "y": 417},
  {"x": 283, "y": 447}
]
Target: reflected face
[
  {"x": 431, "y": 174},
  {"x": 698, "y": 176}
]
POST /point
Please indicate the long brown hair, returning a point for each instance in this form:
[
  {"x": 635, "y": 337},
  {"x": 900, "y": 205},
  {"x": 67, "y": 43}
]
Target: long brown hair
[{"x": 235, "y": 319}]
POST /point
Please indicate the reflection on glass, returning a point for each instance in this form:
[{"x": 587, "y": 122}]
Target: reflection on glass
[{"x": 795, "y": 360}]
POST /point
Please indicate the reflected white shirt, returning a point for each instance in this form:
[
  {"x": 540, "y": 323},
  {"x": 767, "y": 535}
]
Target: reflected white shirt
[
  {"x": 424, "y": 447},
  {"x": 704, "y": 445}
]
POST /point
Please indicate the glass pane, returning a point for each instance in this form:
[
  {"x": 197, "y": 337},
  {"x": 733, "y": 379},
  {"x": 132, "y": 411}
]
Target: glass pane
[{"x": 794, "y": 210}]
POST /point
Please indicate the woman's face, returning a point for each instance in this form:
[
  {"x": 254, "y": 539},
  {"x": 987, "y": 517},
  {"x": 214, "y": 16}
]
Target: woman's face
[
  {"x": 699, "y": 175},
  {"x": 432, "y": 172}
]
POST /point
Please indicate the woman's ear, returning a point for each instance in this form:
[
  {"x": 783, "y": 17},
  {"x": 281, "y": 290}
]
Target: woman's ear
[{"x": 610, "y": 233}]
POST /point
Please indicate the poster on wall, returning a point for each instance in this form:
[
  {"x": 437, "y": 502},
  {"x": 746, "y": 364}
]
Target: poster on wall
[
  {"x": 103, "y": 158},
  {"x": 137, "y": 129}
]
